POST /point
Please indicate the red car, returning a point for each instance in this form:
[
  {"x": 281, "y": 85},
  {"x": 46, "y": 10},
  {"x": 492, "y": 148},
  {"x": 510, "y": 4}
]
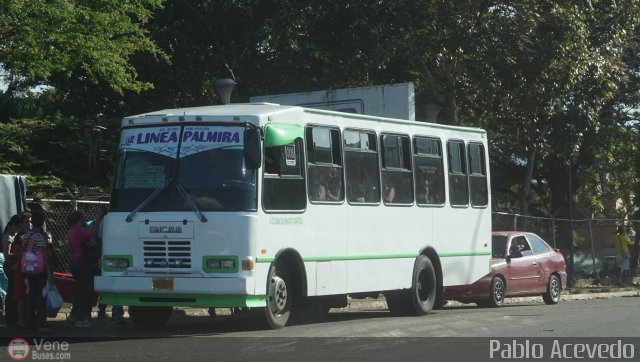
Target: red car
[{"x": 523, "y": 265}]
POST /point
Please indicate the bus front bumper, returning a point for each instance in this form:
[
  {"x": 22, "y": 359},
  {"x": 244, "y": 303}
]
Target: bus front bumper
[{"x": 178, "y": 291}]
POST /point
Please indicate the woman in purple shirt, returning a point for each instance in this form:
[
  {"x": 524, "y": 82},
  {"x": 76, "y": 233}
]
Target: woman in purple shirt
[{"x": 80, "y": 266}]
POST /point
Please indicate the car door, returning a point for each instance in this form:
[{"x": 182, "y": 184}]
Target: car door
[
  {"x": 543, "y": 254},
  {"x": 524, "y": 271}
]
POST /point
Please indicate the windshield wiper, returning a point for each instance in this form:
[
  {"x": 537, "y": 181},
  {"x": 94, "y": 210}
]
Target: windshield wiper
[
  {"x": 190, "y": 201},
  {"x": 155, "y": 193},
  {"x": 146, "y": 201}
]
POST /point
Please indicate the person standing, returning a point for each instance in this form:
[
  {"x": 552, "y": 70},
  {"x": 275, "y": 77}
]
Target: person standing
[
  {"x": 79, "y": 238},
  {"x": 622, "y": 246},
  {"x": 8, "y": 251},
  {"x": 37, "y": 205},
  {"x": 34, "y": 240},
  {"x": 635, "y": 257},
  {"x": 19, "y": 289}
]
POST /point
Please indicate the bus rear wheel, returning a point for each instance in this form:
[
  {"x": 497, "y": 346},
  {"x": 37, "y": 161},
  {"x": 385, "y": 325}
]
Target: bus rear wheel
[
  {"x": 421, "y": 298},
  {"x": 150, "y": 317},
  {"x": 423, "y": 290},
  {"x": 279, "y": 298}
]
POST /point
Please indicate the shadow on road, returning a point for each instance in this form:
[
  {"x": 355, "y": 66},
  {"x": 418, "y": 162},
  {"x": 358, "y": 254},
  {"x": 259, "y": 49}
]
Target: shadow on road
[{"x": 180, "y": 325}]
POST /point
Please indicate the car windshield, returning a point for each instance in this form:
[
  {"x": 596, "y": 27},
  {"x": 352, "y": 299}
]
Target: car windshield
[
  {"x": 208, "y": 163},
  {"x": 498, "y": 245}
]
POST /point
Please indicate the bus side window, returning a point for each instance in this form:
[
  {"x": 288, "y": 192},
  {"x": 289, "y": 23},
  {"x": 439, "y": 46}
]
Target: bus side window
[
  {"x": 458, "y": 187},
  {"x": 324, "y": 164},
  {"x": 477, "y": 175},
  {"x": 397, "y": 182},
  {"x": 284, "y": 185},
  {"x": 361, "y": 166},
  {"x": 429, "y": 171}
]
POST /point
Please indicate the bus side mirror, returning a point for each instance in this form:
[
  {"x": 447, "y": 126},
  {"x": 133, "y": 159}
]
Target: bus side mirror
[{"x": 252, "y": 152}]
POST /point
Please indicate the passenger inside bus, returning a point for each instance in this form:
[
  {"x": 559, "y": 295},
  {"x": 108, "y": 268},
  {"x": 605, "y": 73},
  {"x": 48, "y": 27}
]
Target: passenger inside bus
[
  {"x": 317, "y": 188},
  {"x": 389, "y": 190},
  {"x": 424, "y": 190},
  {"x": 334, "y": 185},
  {"x": 364, "y": 190}
]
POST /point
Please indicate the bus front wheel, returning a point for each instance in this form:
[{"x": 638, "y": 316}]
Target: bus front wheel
[
  {"x": 279, "y": 298},
  {"x": 150, "y": 317}
]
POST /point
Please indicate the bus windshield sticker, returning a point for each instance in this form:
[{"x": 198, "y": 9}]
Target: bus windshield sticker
[
  {"x": 147, "y": 177},
  {"x": 197, "y": 139},
  {"x": 160, "y": 140},
  {"x": 290, "y": 154}
]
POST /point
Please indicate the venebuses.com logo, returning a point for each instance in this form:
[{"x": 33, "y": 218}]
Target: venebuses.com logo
[{"x": 19, "y": 349}]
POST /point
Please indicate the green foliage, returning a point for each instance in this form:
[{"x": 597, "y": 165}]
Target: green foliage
[
  {"x": 552, "y": 82},
  {"x": 42, "y": 40},
  {"x": 53, "y": 153}
]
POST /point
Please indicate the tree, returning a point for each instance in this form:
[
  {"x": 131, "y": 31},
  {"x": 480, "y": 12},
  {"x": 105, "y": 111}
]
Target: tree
[
  {"x": 49, "y": 42},
  {"x": 547, "y": 64}
]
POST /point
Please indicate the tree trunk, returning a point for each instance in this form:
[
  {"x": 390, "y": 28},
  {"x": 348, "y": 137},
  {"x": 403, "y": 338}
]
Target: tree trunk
[
  {"x": 525, "y": 188},
  {"x": 449, "y": 92}
]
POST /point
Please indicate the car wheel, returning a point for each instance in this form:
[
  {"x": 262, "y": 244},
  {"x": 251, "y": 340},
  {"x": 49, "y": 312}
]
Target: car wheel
[
  {"x": 552, "y": 296},
  {"x": 498, "y": 292}
]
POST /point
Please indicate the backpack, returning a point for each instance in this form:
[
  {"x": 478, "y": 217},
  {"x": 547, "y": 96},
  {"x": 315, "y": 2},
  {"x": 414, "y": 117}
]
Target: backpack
[{"x": 32, "y": 261}]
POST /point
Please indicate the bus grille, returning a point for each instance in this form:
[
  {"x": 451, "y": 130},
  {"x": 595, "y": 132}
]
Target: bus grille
[{"x": 167, "y": 254}]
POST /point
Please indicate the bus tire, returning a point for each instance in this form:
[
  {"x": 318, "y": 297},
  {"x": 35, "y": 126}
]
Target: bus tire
[
  {"x": 150, "y": 317},
  {"x": 279, "y": 298},
  {"x": 423, "y": 289}
]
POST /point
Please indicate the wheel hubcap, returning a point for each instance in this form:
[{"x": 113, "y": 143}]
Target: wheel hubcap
[
  {"x": 423, "y": 286},
  {"x": 498, "y": 292},
  {"x": 277, "y": 294},
  {"x": 555, "y": 288}
]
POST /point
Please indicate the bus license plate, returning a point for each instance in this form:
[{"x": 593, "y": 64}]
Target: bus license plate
[{"x": 162, "y": 283}]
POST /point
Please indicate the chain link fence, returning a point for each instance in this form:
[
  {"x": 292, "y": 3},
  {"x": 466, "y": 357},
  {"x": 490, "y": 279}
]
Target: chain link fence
[
  {"x": 588, "y": 245},
  {"x": 57, "y": 214}
]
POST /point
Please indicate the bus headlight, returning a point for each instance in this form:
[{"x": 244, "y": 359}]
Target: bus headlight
[
  {"x": 116, "y": 263},
  {"x": 220, "y": 264}
]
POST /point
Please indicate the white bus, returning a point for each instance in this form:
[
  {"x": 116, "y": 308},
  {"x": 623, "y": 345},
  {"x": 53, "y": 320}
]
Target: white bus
[{"x": 285, "y": 211}]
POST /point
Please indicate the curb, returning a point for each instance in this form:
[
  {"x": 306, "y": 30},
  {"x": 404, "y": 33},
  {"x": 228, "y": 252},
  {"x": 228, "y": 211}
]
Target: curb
[{"x": 379, "y": 304}]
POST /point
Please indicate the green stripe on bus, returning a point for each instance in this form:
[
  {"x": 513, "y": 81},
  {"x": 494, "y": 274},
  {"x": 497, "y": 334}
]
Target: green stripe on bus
[
  {"x": 183, "y": 300},
  {"x": 375, "y": 256}
]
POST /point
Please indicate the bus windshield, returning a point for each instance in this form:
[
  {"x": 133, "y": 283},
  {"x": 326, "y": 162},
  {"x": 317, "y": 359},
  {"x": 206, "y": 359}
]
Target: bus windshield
[{"x": 208, "y": 163}]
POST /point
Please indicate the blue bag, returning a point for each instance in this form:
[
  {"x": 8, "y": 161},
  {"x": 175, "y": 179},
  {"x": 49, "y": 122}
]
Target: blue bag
[{"x": 53, "y": 299}]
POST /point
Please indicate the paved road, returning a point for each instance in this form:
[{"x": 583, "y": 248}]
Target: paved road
[{"x": 198, "y": 336}]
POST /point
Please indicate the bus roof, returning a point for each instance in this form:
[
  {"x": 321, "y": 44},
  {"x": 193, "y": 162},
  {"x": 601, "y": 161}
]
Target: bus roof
[
  {"x": 246, "y": 109},
  {"x": 268, "y": 109}
]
